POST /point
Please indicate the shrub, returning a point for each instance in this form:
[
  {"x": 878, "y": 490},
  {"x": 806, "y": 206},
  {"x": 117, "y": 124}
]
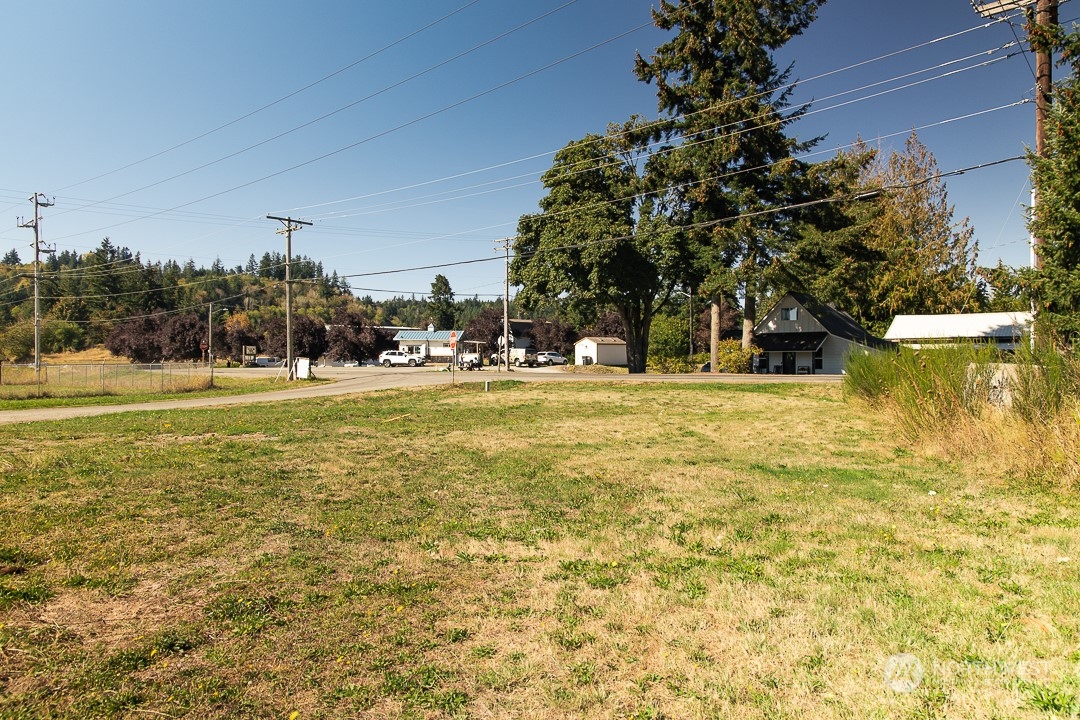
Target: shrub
[{"x": 731, "y": 357}]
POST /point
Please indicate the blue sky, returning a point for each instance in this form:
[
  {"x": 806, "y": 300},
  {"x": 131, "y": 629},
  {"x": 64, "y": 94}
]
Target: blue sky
[{"x": 175, "y": 128}]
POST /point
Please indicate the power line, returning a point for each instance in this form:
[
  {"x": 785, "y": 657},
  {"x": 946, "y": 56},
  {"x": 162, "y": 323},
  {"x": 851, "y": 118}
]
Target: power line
[
  {"x": 282, "y": 99},
  {"x": 703, "y": 224},
  {"x": 706, "y": 136},
  {"x": 712, "y": 108},
  {"x": 401, "y": 126},
  {"x": 160, "y": 212},
  {"x": 320, "y": 118},
  {"x": 713, "y": 179}
]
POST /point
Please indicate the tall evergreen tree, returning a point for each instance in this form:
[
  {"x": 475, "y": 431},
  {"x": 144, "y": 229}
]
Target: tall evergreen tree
[
  {"x": 1055, "y": 221},
  {"x": 727, "y": 111},
  {"x": 441, "y": 304}
]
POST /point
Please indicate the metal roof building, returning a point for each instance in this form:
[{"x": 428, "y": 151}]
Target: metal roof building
[{"x": 1003, "y": 329}]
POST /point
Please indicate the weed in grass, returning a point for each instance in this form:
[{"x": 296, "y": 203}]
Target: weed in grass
[
  {"x": 583, "y": 673},
  {"x": 571, "y": 640},
  {"x": 243, "y": 615},
  {"x": 485, "y": 651},
  {"x": 31, "y": 593},
  {"x": 456, "y": 635},
  {"x": 599, "y": 575},
  {"x": 1057, "y": 698}
]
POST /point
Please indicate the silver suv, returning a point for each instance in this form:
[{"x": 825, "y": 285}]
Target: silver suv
[{"x": 549, "y": 357}]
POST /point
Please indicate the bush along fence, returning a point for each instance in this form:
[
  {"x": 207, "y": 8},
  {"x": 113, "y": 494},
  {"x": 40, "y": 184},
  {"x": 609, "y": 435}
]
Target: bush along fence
[{"x": 106, "y": 378}]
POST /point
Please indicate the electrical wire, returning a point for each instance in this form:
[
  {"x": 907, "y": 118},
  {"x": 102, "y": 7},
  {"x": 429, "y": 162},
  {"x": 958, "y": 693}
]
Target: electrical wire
[
  {"x": 856, "y": 65},
  {"x": 376, "y": 136},
  {"x": 343, "y": 108},
  {"x": 282, "y": 99},
  {"x": 847, "y": 197},
  {"x": 139, "y": 268},
  {"x": 789, "y": 86},
  {"x": 886, "y": 56},
  {"x": 706, "y": 135},
  {"x": 699, "y": 225}
]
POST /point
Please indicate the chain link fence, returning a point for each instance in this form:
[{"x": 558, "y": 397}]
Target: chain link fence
[{"x": 105, "y": 378}]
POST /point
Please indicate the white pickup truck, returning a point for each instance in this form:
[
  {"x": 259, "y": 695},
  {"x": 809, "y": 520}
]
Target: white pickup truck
[
  {"x": 518, "y": 356},
  {"x": 400, "y": 357}
]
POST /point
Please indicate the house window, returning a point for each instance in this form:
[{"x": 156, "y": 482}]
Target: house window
[
  {"x": 789, "y": 313},
  {"x": 819, "y": 359}
]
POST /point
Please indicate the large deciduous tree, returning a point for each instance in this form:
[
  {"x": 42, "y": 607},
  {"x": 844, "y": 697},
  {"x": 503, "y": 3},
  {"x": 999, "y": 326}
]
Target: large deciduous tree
[
  {"x": 350, "y": 336},
  {"x": 554, "y": 335},
  {"x": 181, "y": 337},
  {"x": 601, "y": 241},
  {"x": 137, "y": 339},
  {"x": 726, "y": 110}
]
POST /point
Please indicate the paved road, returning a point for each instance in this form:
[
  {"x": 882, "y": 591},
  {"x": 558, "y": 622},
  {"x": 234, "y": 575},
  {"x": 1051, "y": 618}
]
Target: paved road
[{"x": 347, "y": 381}]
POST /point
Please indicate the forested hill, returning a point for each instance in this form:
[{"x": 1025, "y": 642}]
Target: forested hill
[{"x": 151, "y": 310}]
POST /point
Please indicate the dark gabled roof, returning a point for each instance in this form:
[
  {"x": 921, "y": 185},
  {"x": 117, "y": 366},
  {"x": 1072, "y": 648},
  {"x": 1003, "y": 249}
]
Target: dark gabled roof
[
  {"x": 519, "y": 327},
  {"x": 790, "y": 341},
  {"x": 837, "y": 322}
]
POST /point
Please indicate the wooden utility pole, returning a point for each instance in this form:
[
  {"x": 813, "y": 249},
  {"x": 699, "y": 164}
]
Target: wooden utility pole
[
  {"x": 714, "y": 335},
  {"x": 505, "y": 354},
  {"x": 1046, "y": 17},
  {"x": 39, "y": 202},
  {"x": 287, "y": 231}
]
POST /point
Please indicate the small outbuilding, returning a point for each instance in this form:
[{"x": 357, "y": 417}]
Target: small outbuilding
[
  {"x": 600, "y": 351},
  {"x": 1003, "y": 330}
]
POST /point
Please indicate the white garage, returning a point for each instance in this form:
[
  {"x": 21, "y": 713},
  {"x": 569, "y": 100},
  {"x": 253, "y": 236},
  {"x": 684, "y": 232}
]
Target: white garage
[{"x": 600, "y": 351}]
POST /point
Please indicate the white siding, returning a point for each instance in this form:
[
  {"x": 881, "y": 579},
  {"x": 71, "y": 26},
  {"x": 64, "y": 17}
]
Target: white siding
[
  {"x": 602, "y": 353},
  {"x": 804, "y": 323},
  {"x": 611, "y": 354}
]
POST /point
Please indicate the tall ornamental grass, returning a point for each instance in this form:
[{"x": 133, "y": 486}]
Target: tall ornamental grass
[{"x": 1020, "y": 410}]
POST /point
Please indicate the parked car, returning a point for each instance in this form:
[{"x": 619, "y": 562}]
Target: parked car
[
  {"x": 400, "y": 357},
  {"x": 549, "y": 357}
]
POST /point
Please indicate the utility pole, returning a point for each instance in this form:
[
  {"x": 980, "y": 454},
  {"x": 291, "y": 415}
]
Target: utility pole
[
  {"x": 291, "y": 225},
  {"x": 1046, "y": 17},
  {"x": 690, "y": 297},
  {"x": 210, "y": 341},
  {"x": 39, "y": 201},
  {"x": 505, "y": 354}
]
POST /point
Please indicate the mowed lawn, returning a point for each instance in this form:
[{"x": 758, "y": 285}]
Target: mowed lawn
[{"x": 537, "y": 551}]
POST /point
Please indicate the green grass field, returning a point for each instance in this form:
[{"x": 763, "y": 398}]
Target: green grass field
[
  {"x": 20, "y": 397},
  {"x": 541, "y": 551}
]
